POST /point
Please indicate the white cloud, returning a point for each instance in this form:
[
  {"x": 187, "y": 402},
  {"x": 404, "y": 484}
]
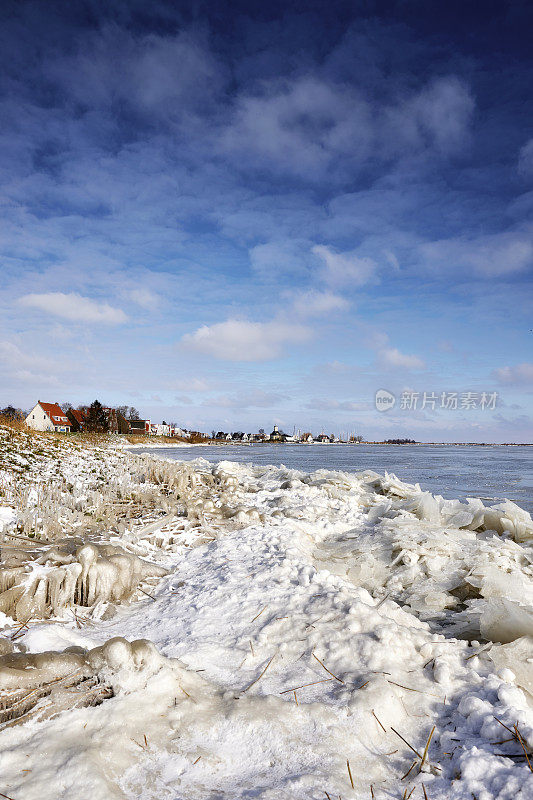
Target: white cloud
[
  {"x": 498, "y": 254},
  {"x": 74, "y": 307},
  {"x": 256, "y": 398},
  {"x": 41, "y": 378},
  {"x": 345, "y": 268},
  {"x": 315, "y": 304},
  {"x": 159, "y": 75},
  {"x": 271, "y": 260},
  {"x": 310, "y": 126},
  {"x": 373, "y": 338},
  {"x": 29, "y": 367},
  {"x": 240, "y": 340},
  {"x": 392, "y": 259},
  {"x": 525, "y": 159},
  {"x": 144, "y": 298},
  {"x": 300, "y": 126},
  {"x": 392, "y": 357},
  {"x": 61, "y": 333},
  {"x": 13, "y": 356},
  {"x": 335, "y": 405},
  {"x": 191, "y": 385},
  {"x": 440, "y": 114},
  {"x": 519, "y": 374}
]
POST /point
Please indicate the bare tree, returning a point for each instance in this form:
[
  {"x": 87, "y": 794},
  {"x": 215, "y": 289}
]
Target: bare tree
[{"x": 128, "y": 412}]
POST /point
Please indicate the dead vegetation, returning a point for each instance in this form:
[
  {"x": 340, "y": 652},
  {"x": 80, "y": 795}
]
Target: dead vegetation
[
  {"x": 39, "y": 586},
  {"x": 42, "y": 685}
]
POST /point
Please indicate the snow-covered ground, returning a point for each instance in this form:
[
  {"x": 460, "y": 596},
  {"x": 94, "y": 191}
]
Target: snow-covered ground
[{"x": 316, "y": 635}]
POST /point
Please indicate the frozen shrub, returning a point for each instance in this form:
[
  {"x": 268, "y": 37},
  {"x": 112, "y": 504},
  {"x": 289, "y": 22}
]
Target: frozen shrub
[
  {"x": 68, "y": 576},
  {"x": 44, "y": 684}
]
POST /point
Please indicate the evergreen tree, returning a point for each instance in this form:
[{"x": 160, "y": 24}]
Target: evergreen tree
[
  {"x": 12, "y": 413},
  {"x": 96, "y": 418}
]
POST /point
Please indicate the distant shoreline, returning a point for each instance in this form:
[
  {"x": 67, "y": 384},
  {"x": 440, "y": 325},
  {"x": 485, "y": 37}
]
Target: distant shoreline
[{"x": 210, "y": 443}]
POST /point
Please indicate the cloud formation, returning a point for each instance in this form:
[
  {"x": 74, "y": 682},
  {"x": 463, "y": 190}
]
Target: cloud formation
[
  {"x": 316, "y": 304},
  {"x": 393, "y": 358},
  {"x": 240, "y": 340},
  {"x": 341, "y": 269},
  {"x": 517, "y": 374},
  {"x": 144, "y": 298},
  {"x": 525, "y": 159},
  {"x": 335, "y": 405},
  {"x": 256, "y": 398},
  {"x": 308, "y": 125},
  {"x": 74, "y": 307},
  {"x": 491, "y": 256},
  {"x": 339, "y": 174}
]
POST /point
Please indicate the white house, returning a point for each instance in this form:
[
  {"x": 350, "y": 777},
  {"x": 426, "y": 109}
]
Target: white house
[
  {"x": 163, "y": 429},
  {"x": 182, "y": 433},
  {"x": 158, "y": 429},
  {"x": 48, "y": 417}
]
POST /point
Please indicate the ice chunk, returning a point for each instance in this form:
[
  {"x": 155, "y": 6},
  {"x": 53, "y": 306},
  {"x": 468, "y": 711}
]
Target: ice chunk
[
  {"x": 517, "y": 657},
  {"x": 504, "y": 621},
  {"x": 507, "y": 517}
]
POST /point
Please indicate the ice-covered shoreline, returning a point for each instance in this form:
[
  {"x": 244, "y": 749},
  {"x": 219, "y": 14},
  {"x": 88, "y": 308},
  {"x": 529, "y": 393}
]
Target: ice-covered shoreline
[{"x": 302, "y": 621}]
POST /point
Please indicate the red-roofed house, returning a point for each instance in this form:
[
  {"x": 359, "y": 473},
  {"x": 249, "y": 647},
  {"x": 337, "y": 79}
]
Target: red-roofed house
[
  {"x": 77, "y": 419},
  {"x": 48, "y": 417}
]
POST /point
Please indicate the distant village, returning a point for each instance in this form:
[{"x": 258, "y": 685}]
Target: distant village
[{"x": 125, "y": 420}]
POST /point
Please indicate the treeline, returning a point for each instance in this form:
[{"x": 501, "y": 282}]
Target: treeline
[
  {"x": 96, "y": 417},
  {"x": 128, "y": 412},
  {"x": 10, "y": 412},
  {"x": 400, "y": 441}
]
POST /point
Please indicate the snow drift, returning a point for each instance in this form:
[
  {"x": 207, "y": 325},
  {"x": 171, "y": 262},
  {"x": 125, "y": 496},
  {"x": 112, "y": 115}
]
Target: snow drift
[{"x": 318, "y": 618}]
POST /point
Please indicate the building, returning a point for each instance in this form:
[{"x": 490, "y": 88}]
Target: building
[
  {"x": 123, "y": 424},
  {"x": 276, "y": 435},
  {"x": 112, "y": 421},
  {"x": 76, "y": 418},
  {"x": 115, "y": 421},
  {"x": 140, "y": 426},
  {"x": 161, "y": 429},
  {"x": 48, "y": 417}
]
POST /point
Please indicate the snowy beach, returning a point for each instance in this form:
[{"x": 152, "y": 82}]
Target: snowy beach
[{"x": 309, "y": 634}]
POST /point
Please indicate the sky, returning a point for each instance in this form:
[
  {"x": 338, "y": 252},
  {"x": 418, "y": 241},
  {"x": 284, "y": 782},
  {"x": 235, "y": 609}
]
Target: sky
[{"x": 235, "y": 215}]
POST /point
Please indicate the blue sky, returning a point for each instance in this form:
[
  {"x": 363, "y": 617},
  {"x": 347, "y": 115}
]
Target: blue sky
[{"x": 234, "y": 215}]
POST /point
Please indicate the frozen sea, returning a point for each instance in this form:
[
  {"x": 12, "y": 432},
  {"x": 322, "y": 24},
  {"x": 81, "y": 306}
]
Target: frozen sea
[{"x": 489, "y": 472}]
